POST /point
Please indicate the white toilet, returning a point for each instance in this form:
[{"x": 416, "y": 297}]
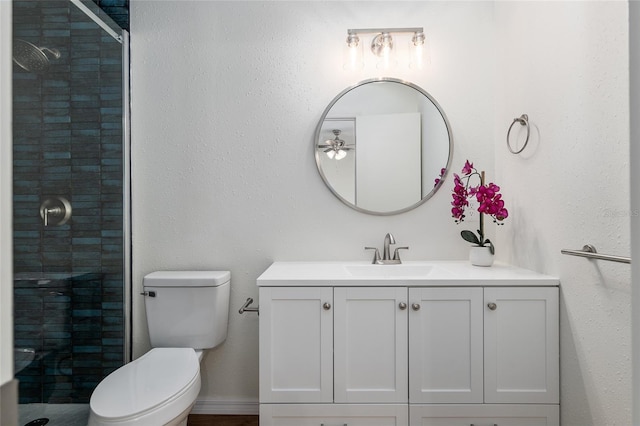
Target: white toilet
[{"x": 187, "y": 312}]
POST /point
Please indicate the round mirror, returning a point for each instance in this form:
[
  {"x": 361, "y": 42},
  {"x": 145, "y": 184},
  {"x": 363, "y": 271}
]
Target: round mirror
[{"x": 383, "y": 146}]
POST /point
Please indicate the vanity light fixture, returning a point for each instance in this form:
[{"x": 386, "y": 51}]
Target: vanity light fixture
[{"x": 382, "y": 46}]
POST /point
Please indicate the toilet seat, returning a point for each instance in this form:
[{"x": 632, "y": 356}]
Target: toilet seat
[{"x": 152, "y": 390}]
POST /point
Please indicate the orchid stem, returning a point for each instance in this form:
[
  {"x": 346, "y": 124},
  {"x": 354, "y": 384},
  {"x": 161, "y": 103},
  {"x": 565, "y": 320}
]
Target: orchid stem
[{"x": 481, "y": 214}]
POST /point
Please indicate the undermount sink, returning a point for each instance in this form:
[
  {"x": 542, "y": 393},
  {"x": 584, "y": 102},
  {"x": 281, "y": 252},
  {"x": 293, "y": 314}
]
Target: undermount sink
[{"x": 389, "y": 271}]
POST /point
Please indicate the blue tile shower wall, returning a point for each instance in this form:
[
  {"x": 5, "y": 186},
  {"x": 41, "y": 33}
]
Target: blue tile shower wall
[
  {"x": 68, "y": 289},
  {"x": 118, "y": 10}
]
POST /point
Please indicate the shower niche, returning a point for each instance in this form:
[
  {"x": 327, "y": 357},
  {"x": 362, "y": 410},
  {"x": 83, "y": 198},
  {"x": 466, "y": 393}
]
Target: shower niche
[{"x": 70, "y": 83}]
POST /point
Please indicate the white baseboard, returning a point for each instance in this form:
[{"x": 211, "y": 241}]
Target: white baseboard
[{"x": 246, "y": 408}]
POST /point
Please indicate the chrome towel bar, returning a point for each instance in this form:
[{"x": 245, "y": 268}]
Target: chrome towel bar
[{"x": 590, "y": 252}]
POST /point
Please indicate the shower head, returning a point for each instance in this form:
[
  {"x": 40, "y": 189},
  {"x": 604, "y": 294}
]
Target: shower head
[{"x": 31, "y": 57}]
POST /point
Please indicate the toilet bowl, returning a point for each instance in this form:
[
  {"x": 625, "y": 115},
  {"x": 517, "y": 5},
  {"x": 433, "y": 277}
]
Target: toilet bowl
[
  {"x": 187, "y": 311},
  {"x": 158, "y": 388}
]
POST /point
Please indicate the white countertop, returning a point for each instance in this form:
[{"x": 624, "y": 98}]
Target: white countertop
[{"x": 410, "y": 273}]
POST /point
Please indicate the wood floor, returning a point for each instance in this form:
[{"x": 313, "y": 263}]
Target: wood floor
[{"x": 211, "y": 420}]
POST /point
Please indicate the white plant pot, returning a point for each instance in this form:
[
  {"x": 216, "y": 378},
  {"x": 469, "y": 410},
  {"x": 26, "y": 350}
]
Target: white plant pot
[{"x": 480, "y": 256}]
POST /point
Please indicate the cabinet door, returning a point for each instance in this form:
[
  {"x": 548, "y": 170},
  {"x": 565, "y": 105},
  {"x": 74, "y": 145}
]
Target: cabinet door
[
  {"x": 521, "y": 345},
  {"x": 296, "y": 344},
  {"x": 334, "y": 415},
  {"x": 370, "y": 347},
  {"x": 484, "y": 415},
  {"x": 445, "y": 345}
]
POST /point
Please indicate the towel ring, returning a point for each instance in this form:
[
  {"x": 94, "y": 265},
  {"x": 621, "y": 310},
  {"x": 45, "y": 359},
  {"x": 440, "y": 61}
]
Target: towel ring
[{"x": 524, "y": 121}]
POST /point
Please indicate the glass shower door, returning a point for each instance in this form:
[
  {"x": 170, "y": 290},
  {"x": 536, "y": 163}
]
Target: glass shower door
[{"x": 70, "y": 198}]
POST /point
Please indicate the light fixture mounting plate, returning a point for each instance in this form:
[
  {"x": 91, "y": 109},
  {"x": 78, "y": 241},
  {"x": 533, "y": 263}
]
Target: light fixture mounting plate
[{"x": 381, "y": 43}]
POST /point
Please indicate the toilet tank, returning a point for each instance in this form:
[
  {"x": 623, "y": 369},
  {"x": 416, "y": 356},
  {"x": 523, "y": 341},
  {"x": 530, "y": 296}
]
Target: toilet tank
[{"x": 187, "y": 309}]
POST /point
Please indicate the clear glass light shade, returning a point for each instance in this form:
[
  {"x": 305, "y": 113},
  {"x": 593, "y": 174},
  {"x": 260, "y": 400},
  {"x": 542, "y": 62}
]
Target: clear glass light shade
[
  {"x": 331, "y": 154},
  {"x": 382, "y": 47},
  {"x": 418, "y": 52},
  {"x": 341, "y": 154},
  {"x": 352, "y": 55}
]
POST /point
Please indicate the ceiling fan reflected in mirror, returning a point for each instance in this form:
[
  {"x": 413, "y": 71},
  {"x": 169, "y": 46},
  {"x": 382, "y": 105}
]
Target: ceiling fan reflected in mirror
[{"x": 336, "y": 148}]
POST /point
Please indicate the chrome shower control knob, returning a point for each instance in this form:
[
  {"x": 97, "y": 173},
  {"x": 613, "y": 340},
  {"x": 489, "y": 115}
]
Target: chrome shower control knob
[
  {"x": 402, "y": 306},
  {"x": 326, "y": 306},
  {"x": 492, "y": 306},
  {"x": 415, "y": 306},
  {"x": 55, "y": 211}
]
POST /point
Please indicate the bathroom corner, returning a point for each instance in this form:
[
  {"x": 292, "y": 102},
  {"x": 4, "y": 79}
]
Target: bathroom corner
[{"x": 566, "y": 67}]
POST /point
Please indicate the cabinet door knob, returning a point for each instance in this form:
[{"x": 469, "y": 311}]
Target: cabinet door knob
[
  {"x": 492, "y": 306},
  {"x": 402, "y": 306},
  {"x": 415, "y": 307},
  {"x": 326, "y": 306}
]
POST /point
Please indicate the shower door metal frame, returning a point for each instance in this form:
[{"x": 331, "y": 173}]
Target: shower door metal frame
[
  {"x": 95, "y": 18},
  {"x": 123, "y": 39},
  {"x": 126, "y": 199}
]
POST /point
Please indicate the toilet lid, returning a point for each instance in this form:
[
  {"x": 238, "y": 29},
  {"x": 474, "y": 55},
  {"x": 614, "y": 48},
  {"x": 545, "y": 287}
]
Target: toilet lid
[{"x": 145, "y": 383}]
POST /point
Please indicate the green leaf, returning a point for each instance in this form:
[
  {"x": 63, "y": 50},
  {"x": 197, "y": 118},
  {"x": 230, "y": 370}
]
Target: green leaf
[
  {"x": 492, "y": 249},
  {"x": 471, "y": 237}
]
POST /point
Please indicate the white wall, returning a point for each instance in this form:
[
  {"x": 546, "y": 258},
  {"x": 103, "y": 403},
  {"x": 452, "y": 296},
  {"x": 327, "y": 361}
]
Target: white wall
[
  {"x": 6, "y": 170},
  {"x": 226, "y": 97},
  {"x": 566, "y": 65},
  {"x": 225, "y": 100},
  {"x": 634, "y": 107}
]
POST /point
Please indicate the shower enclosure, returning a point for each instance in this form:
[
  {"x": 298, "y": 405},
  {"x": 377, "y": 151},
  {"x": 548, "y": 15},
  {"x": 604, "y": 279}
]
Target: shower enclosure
[{"x": 70, "y": 198}]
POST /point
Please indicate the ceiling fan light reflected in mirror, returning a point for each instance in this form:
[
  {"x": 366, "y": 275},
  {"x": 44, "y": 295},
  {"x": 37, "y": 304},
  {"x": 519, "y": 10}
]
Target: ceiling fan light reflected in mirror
[{"x": 335, "y": 148}]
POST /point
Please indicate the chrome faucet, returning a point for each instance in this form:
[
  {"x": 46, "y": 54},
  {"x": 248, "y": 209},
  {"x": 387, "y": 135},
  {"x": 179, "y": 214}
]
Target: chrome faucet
[
  {"x": 388, "y": 240},
  {"x": 386, "y": 253}
]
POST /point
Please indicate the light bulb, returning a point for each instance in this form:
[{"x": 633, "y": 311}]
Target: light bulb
[
  {"x": 331, "y": 154},
  {"x": 382, "y": 46},
  {"x": 352, "y": 55},
  {"x": 341, "y": 154},
  {"x": 418, "y": 51}
]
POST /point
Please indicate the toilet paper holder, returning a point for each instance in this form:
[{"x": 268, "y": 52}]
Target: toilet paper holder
[{"x": 246, "y": 307}]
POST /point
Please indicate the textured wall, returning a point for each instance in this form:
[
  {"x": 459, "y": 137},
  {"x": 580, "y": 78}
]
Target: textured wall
[
  {"x": 634, "y": 83},
  {"x": 224, "y": 109},
  {"x": 225, "y": 101},
  {"x": 566, "y": 65}
]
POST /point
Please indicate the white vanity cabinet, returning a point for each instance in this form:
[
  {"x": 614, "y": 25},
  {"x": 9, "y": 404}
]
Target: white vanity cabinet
[
  {"x": 324, "y": 345},
  {"x": 521, "y": 345},
  {"x": 370, "y": 349},
  {"x": 484, "y": 345},
  {"x": 490, "y": 354},
  {"x": 446, "y": 345},
  {"x": 296, "y": 344},
  {"x": 402, "y": 351},
  {"x": 484, "y": 415}
]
